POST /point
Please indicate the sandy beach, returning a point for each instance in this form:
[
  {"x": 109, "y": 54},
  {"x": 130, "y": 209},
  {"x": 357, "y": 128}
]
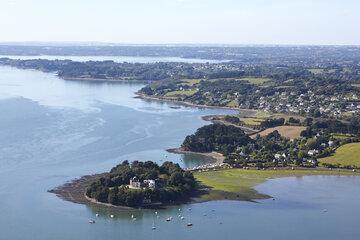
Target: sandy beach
[{"x": 216, "y": 157}]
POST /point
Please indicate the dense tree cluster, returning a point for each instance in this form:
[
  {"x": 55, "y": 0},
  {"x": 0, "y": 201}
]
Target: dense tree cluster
[
  {"x": 269, "y": 123},
  {"x": 332, "y": 126},
  {"x": 216, "y": 137},
  {"x": 172, "y": 184}
]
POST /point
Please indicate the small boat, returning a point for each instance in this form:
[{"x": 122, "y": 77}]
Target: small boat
[
  {"x": 91, "y": 221},
  {"x": 189, "y": 224},
  {"x": 97, "y": 215},
  {"x": 132, "y": 216},
  {"x": 169, "y": 219},
  {"x": 112, "y": 216},
  {"x": 153, "y": 224},
  {"x": 182, "y": 218}
]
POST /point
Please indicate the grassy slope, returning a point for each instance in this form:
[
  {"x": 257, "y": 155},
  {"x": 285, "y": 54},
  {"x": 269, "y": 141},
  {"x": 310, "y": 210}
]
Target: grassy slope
[
  {"x": 252, "y": 121},
  {"x": 190, "y": 82},
  {"x": 238, "y": 184},
  {"x": 179, "y": 93},
  {"x": 290, "y": 132},
  {"x": 346, "y": 155},
  {"x": 256, "y": 80},
  {"x": 316, "y": 70}
]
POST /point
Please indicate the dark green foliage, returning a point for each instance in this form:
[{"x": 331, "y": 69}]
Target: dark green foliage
[
  {"x": 333, "y": 126},
  {"x": 216, "y": 137},
  {"x": 294, "y": 121},
  {"x": 172, "y": 184},
  {"x": 232, "y": 119},
  {"x": 269, "y": 123}
]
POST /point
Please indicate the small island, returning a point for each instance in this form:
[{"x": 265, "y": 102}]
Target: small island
[{"x": 143, "y": 184}]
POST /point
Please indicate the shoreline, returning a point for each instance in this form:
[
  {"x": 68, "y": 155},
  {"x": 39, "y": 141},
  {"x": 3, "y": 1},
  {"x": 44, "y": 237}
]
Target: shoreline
[
  {"x": 104, "y": 80},
  {"x": 249, "y": 131},
  {"x": 216, "y": 158},
  {"x": 75, "y": 191},
  {"x": 189, "y": 104}
]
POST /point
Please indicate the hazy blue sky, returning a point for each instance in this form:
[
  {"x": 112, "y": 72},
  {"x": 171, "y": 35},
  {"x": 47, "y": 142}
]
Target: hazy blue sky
[{"x": 182, "y": 21}]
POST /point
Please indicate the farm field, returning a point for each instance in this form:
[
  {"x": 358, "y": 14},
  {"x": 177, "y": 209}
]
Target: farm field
[
  {"x": 346, "y": 155},
  {"x": 290, "y": 132}
]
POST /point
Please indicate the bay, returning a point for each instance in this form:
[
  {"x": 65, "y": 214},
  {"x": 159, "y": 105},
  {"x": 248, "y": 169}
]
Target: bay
[{"x": 52, "y": 131}]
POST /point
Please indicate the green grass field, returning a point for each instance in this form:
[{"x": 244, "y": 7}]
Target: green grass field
[
  {"x": 342, "y": 136},
  {"x": 180, "y": 93},
  {"x": 238, "y": 183},
  {"x": 256, "y": 80},
  {"x": 233, "y": 104},
  {"x": 190, "y": 82},
  {"x": 346, "y": 155},
  {"x": 316, "y": 70},
  {"x": 262, "y": 114},
  {"x": 252, "y": 121}
]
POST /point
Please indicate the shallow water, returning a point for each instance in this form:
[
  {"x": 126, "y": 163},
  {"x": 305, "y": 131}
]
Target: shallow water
[{"x": 52, "y": 131}]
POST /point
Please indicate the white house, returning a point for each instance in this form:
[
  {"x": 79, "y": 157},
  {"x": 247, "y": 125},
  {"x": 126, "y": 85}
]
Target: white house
[{"x": 149, "y": 183}]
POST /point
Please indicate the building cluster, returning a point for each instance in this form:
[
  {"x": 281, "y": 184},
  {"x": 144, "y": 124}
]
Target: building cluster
[
  {"x": 135, "y": 183},
  {"x": 310, "y": 103}
]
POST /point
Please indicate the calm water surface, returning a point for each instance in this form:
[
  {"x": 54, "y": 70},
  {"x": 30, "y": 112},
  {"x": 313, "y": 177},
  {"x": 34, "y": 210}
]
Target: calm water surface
[{"x": 52, "y": 131}]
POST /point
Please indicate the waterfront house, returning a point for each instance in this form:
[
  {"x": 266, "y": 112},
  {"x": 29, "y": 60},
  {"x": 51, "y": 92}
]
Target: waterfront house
[
  {"x": 135, "y": 183},
  {"x": 149, "y": 183}
]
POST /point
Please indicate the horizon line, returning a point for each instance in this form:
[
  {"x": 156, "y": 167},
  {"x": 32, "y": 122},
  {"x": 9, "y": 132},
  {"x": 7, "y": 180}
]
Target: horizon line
[{"x": 114, "y": 44}]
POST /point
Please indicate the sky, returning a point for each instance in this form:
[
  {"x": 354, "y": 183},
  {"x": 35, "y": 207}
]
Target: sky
[{"x": 311, "y": 22}]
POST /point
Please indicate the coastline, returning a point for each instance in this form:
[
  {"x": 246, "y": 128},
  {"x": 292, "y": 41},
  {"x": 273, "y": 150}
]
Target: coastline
[
  {"x": 74, "y": 191},
  {"x": 104, "y": 80},
  {"x": 216, "y": 157},
  {"x": 189, "y": 104},
  {"x": 249, "y": 131}
]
